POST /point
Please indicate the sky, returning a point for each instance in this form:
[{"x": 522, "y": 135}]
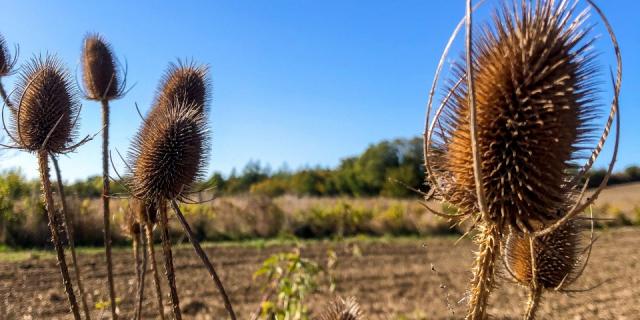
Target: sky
[{"x": 296, "y": 82}]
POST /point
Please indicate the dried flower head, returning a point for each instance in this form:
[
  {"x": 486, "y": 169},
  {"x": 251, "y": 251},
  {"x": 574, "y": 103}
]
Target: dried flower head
[
  {"x": 168, "y": 154},
  {"x": 341, "y": 309},
  {"x": 535, "y": 93},
  {"x": 186, "y": 83},
  {"x": 45, "y": 107},
  {"x": 557, "y": 256},
  {"x": 7, "y": 62},
  {"x": 102, "y": 80}
]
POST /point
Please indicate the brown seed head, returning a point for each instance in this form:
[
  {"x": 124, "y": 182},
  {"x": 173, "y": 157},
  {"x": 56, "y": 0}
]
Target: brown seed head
[
  {"x": 341, "y": 309},
  {"x": 45, "y": 106},
  {"x": 186, "y": 83},
  {"x": 99, "y": 71},
  {"x": 168, "y": 154},
  {"x": 557, "y": 256},
  {"x": 6, "y": 61},
  {"x": 535, "y": 95}
]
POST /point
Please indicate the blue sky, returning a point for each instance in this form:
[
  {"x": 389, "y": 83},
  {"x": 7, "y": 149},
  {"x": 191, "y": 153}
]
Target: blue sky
[{"x": 296, "y": 82}]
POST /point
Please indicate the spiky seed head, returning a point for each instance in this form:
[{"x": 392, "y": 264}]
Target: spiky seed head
[
  {"x": 187, "y": 83},
  {"x": 557, "y": 256},
  {"x": 168, "y": 154},
  {"x": 45, "y": 106},
  {"x": 535, "y": 95},
  {"x": 99, "y": 70},
  {"x": 6, "y": 61},
  {"x": 341, "y": 309}
]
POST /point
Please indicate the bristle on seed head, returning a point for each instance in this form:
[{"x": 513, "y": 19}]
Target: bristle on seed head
[
  {"x": 45, "y": 106},
  {"x": 557, "y": 256},
  {"x": 168, "y": 154},
  {"x": 341, "y": 309},
  {"x": 535, "y": 95},
  {"x": 102, "y": 80}
]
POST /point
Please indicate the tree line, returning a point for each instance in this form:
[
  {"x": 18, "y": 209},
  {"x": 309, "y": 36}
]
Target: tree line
[{"x": 390, "y": 168}]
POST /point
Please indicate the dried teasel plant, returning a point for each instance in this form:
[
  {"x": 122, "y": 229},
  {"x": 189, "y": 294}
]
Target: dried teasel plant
[
  {"x": 342, "y": 309},
  {"x": 552, "y": 262},
  {"x": 68, "y": 229},
  {"x": 514, "y": 121},
  {"x": 103, "y": 81},
  {"x": 146, "y": 215},
  {"x": 132, "y": 228},
  {"x": 44, "y": 114},
  {"x": 7, "y": 64},
  {"x": 168, "y": 156}
]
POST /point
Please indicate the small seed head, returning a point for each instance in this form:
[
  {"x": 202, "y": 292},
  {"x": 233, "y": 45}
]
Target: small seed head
[
  {"x": 99, "y": 71},
  {"x": 341, "y": 309}
]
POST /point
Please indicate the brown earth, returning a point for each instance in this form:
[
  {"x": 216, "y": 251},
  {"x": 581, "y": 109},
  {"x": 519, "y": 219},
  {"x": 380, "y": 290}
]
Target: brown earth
[{"x": 394, "y": 279}]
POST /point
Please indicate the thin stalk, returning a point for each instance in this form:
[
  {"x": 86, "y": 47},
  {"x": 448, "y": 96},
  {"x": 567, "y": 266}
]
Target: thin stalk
[
  {"x": 3, "y": 95},
  {"x": 484, "y": 267},
  {"x": 205, "y": 259},
  {"x": 154, "y": 267},
  {"x": 533, "y": 304},
  {"x": 105, "y": 205},
  {"x": 43, "y": 162},
  {"x": 136, "y": 258},
  {"x": 68, "y": 229},
  {"x": 141, "y": 274},
  {"x": 168, "y": 262}
]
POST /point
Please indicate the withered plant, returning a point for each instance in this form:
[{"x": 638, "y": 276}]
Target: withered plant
[
  {"x": 103, "y": 82},
  {"x": 68, "y": 229},
  {"x": 7, "y": 64},
  {"x": 44, "y": 114},
  {"x": 168, "y": 156},
  {"x": 514, "y": 122},
  {"x": 133, "y": 229},
  {"x": 342, "y": 309}
]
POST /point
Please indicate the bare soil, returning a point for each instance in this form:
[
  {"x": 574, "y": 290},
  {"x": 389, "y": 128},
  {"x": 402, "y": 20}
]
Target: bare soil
[{"x": 394, "y": 279}]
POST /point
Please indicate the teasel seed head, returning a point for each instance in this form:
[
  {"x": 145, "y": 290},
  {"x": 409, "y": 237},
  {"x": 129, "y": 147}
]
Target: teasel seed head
[
  {"x": 45, "y": 107},
  {"x": 102, "y": 80},
  {"x": 535, "y": 93},
  {"x": 186, "y": 83},
  {"x": 7, "y": 62},
  {"x": 557, "y": 256},
  {"x": 341, "y": 309},
  {"x": 169, "y": 153}
]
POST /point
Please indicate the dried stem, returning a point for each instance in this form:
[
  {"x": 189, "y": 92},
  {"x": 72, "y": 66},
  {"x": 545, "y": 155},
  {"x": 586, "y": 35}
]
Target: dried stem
[
  {"x": 68, "y": 229},
  {"x": 168, "y": 261},
  {"x": 154, "y": 267},
  {"x": 3, "y": 95},
  {"x": 533, "y": 304},
  {"x": 205, "y": 259},
  {"x": 484, "y": 267},
  {"x": 43, "y": 162},
  {"x": 105, "y": 205},
  {"x": 142, "y": 271}
]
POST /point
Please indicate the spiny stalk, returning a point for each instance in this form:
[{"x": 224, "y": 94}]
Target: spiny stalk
[{"x": 68, "y": 229}]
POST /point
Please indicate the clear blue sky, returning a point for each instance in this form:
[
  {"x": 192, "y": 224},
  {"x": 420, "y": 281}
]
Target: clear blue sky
[{"x": 301, "y": 82}]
